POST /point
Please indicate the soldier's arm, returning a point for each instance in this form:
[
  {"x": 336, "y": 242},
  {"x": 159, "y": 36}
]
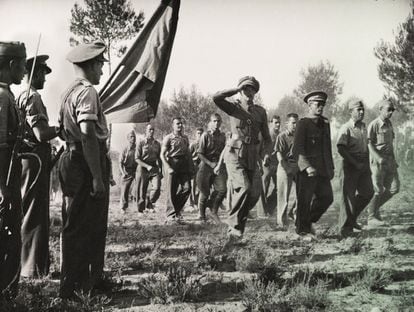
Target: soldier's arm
[
  {"x": 372, "y": 139},
  {"x": 202, "y": 149},
  {"x": 342, "y": 143},
  {"x": 299, "y": 148},
  {"x": 4, "y": 149},
  {"x": 164, "y": 150},
  {"x": 138, "y": 157},
  {"x": 90, "y": 148},
  {"x": 267, "y": 140},
  {"x": 159, "y": 161},
  {"x": 121, "y": 162},
  {"x": 220, "y": 100}
]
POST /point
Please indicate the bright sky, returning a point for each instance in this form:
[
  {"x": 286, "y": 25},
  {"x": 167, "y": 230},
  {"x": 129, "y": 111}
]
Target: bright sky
[{"x": 218, "y": 41}]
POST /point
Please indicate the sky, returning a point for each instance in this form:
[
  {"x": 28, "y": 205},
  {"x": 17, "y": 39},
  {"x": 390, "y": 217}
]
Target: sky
[{"x": 219, "y": 41}]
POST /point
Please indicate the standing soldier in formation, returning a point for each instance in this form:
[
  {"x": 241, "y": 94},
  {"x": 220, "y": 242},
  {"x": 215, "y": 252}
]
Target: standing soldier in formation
[
  {"x": 312, "y": 147},
  {"x": 242, "y": 152},
  {"x": 149, "y": 170},
  {"x": 270, "y": 164},
  {"x": 176, "y": 157},
  {"x": 84, "y": 174},
  {"x": 211, "y": 172},
  {"x": 128, "y": 168},
  {"x": 12, "y": 69},
  {"x": 356, "y": 181},
  {"x": 196, "y": 162},
  {"x": 286, "y": 171},
  {"x": 383, "y": 164},
  {"x": 35, "y": 204}
]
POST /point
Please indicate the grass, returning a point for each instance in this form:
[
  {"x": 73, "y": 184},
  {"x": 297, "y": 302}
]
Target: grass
[{"x": 371, "y": 279}]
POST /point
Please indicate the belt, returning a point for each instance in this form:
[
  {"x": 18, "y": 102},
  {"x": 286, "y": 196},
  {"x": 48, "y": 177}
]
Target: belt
[{"x": 77, "y": 146}]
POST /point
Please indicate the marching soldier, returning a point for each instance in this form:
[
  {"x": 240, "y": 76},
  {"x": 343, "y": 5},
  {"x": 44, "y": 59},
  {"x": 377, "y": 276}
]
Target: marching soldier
[
  {"x": 196, "y": 162},
  {"x": 242, "y": 152},
  {"x": 356, "y": 181},
  {"x": 287, "y": 169},
  {"x": 128, "y": 168},
  {"x": 270, "y": 165},
  {"x": 176, "y": 158},
  {"x": 12, "y": 69},
  {"x": 382, "y": 159},
  {"x": 35, "y": 225},
  {"x": 84, "y": 174},
  {"x": 312, "y": 148},
  {"x": 149, "y": 170},
  {"x": 211, "y": 172}
]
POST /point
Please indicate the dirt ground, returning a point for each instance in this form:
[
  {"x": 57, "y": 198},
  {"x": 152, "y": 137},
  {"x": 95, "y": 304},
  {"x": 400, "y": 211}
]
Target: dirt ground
[{"x": 211, "y": 272}]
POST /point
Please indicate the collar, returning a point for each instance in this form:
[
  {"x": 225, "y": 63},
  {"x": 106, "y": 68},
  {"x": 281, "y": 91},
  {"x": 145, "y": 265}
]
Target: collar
[
  {"x": 356, "y": 124},
  {"x": 383, "y": 122},
  {"x": 149, "y": 140},
  {"x": 4, "y": 85},
  {"x": 214, "y": 132}
]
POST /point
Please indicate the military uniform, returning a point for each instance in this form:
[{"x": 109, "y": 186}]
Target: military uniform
[
  {"x": 312, "y": 148},
  {"x": 129, "y": 165},
  {"x": 211, "y": 145},
  {"x": 196, "y": 162},
  {"x": 242, "y": 154},
  {"x": 10, "y": 213},
  {"x": 84, "y": 216},
  {"x": 384, "y": 176},
  {"x": 286, "y": 175},
  {"x": 178, "y": 182},
  {"x": 148, "y": 151},
  {"x": 356, "y": 183}
]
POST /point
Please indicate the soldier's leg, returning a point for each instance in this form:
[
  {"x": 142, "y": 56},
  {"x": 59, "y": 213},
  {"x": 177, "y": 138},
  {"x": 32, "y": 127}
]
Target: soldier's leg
[
  {"x": 142, "y": 188},
  {"x": 305, "y": 190},
  {"x": 347, "y": 208},
  {"x": 183, "y": 192},
  {"x": 204, "y": 182},
  {"x": 126, "y": 182},
  {"x": 365, "y": 192},
  {"x": 171, "y": 188},
  {"x": 377, "y": 174},
  {"x": 220, "y": 190},
  {"x": 155, "y": 188},
  {"x": 282, "y": 195},
  {"x": 272, "y": 198},
  {"x": 323, "y": 198}
]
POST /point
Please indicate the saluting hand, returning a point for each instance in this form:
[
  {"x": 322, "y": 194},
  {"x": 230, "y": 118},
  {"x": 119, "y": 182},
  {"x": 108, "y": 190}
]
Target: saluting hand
[{"x": 98, "y": 188}]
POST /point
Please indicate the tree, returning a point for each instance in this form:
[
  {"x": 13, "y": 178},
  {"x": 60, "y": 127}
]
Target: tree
[
  {"x": 396, "y": 67},
  {"x": 109, "y": 21},
  {"x": 289, "y": 104},
  {"x": 322, "y": 76}
]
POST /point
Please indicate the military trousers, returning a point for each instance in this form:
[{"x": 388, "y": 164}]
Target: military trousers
[
  {"x": 178, "y": 186},
  {"x": 35, "y": 204},
  {"x": 195, "y": 192},
  {"x": 206, "y": 180},
  {"x": 286, "y": 177},
  {"x": 85, "y": 220},
  {"x": 269, "y": 200},
  {"x": 10, "y": 237},
  {"x": 357, "y": 192},
  {"x": 314, "y": 196},
  {"x": 386, "y": 184},
  {"x": 246, "y": 187},
  {"x": 126, "y": 183},
  {"x": 145, "y": 199}
]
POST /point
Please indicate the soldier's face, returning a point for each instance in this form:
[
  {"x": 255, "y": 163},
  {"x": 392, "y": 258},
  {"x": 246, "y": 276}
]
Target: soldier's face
[
  {"x": 150, "y": 131},
  {"x": 215, "y": 123},
  {"x": 316, "y": 108},
  {"x": 291, "y": 124},
  {"x": 17, "y": 70},
  {"x": 248, "y": 92},
  {"x": 387, "y": 110},
  {"x": 276, "y": 124},
  {"x": 131, "y": 139},
  {"x": 358, "y": 113},
  {"x": 178, "y": 125},
  {"x": 39, "y": 79},
  {"x": 96, "y": 71}
]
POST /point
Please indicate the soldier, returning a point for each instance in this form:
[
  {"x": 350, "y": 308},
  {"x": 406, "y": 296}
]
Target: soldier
[
  {"x": 287, "y": 169},
  {"x": 35, "y": 225},
  {"x": 269, "y": 171},
  {"x": 84, "y": 174},
  {"x": 211, "y": 173},
  {"x": 12, "y": 69},
  {"x": 356, "y": 181},
  {"x": 196, "y": 161},
  {"x": 176, "y": 157},
  {"x": 382, "y": 160},
  {"x": 128, "y": 168},
  {"x": 312, "y": 148},
  {"x": 149, "y": 170},
  {"x": 242, "y": 151}
]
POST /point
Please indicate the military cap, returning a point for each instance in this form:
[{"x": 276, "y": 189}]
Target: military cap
[
  {"x": 386, "y": 102},
  {"x": 355, "y": 103},
  {"x": 318, "y": 96},
  {"x": 40, "y": 63},
  {"x": 249, "y": 81},
  {"x": 87, "y": 51},
  {"x": 12, "y": 48}
]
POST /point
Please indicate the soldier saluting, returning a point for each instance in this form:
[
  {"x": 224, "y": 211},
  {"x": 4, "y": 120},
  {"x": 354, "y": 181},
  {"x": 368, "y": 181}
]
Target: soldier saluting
[
  {"x": 312, "y": 148},
  {"x": 84, "y": 174}
]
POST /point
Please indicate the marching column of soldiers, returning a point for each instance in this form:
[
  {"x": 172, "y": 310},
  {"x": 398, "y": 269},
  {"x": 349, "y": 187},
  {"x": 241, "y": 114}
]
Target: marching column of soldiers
[{"x": 240, "y": 166}]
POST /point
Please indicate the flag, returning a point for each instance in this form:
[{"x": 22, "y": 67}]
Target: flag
[{"x": 133, "y": 91}]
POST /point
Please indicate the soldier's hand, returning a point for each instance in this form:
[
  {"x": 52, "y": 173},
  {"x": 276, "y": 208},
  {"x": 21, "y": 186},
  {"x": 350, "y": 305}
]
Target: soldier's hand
[
  {"x": 311, "y": 171},
  {"x": 213, "y": 164},
  {"x": 98, "y": 188},
  {"x": 266, "y": 161},
  {"x": 216, "y": 170},
  {"x": 4, "y": 195},
  {"x": 170, "y": 170},
  {"x": 382, "y": 161},
  {"x": 149, "y": 168}
]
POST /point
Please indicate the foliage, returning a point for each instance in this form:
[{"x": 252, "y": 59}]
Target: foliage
[
  {"x": 396, "y": 67},
  {"x": 342, "y": 112},
  {"x": 109, "y": 21},
  {"x": 372, "y": 279},
  {"x": 289, "y": 104}
]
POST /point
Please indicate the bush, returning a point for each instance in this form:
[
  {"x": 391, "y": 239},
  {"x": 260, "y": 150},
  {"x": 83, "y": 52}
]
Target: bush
[{"x": 371, "y": 279}]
